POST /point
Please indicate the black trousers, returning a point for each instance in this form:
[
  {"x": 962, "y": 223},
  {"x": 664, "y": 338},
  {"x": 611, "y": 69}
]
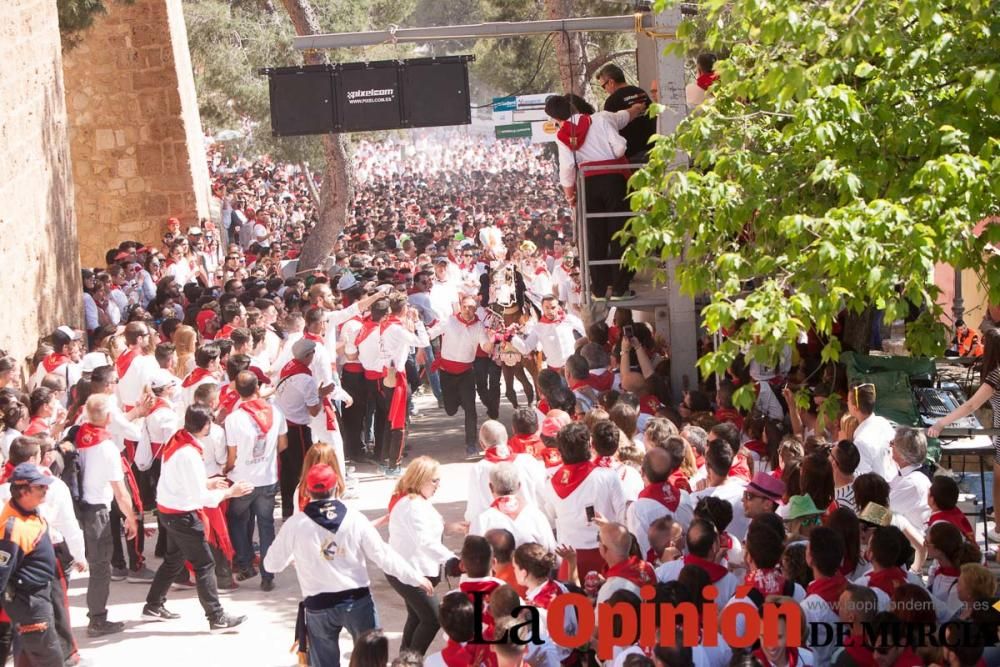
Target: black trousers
[
  {"x": 290, "y": 465},
  {"x": 353, "y": 422},
  {"x": 421, "y": 625},
  {"x": 460, "y": 391},
  {"x": 135, "y": 546},
  {"x": 518, "y": 371},
  {"x": 488, "y": 385},
  {"x": 378, "y": 404},
  {"x": 186, "y": 542},
  {"x": 605, "y": 193},
  {"x": 60, "y": 601}
]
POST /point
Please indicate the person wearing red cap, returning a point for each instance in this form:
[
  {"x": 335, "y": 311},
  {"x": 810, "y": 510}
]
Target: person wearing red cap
[
  {"x": 331, "y": 545},
  {"x": 183, "y": 491}
]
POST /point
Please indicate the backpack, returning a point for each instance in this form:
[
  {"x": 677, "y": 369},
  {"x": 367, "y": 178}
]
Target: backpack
[{"x": 72, "y": 472}]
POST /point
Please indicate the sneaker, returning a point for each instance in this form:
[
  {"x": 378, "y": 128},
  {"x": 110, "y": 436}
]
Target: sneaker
[
  {"x": 119, "y": 574},
  {"x": 143, "y": 576},
  {"x": 267, "y": 585},
  {"x": 225, "y": 623},
  {"x": 104, "y": 627},
  {"x": 394, "y": 472},
  {"x": 158, "y": 613},
  {"x": 246, "y": 573}
]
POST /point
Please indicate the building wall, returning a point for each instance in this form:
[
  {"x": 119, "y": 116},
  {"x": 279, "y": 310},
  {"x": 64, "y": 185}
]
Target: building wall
[
  {"x": 135, "y": 132},
  {"x": 39, "y": 264}
]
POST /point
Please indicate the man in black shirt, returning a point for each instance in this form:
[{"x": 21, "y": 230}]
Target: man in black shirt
[{"x": 622, "y": 96}]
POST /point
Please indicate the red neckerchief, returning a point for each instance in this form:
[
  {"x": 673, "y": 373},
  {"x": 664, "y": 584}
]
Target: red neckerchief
[
  {"x": 159, "y": 404},
  {"x": 859, "y": 653},
  {"x": 294, "y": 367},
  {"x": 527, "y": 444},
  {"x": 124, "y": 360},
  {"x": 725, "y": 541},
  {"x": 543, "y": 406},
  {"x": 475, "y": 319},
  {"x": 679, "y": 480},
  {"x": 649, "y": 404},
  {"x": 570, "y": 476},
  {"x": 888, "y": 579},
  {"x": 224, "y": 331},
  {"x": 499, "y": 454},
  {"x": 227, "y": 398},
  {"x": 8, "y": 472},
  {"x": 601, "y": 382},
  {"x": 509, "y": 506},
  {"x": 572, "y": 135},
  {"x": 948, "y": 571},
  {"x": 545, "y": 320},
  {"x": 729, "y": 415},
  {"x": 367, "y": 327},
  {"x": 180, "y": 439},
  {"x": 196, "y": 376},
  {"x": 260, "y": 412},
  {"x": 486, "y": 586},
  {"x": 740, "y": 468},
  {"x": 388, "y": 322},
  {"x": 665, "y": 494},
  {"x": 395, "y": 498},
  {"x": 828, "y": 588},
  {"x": 89, "y": 435},
  {"x": 768, "y": 581},
  {"x": 54, "y": 361},
  {"x": 791, "y": 653},
  {"x": 467, "y": 655},
  {"x": 307, "y": 335},
  {"x": 634, "y": 569},
  {"x": 957, "y": 518},
  {"x": 757, "y": 447},
  {"x": 35, "y": 426},
  {"x": 546, "y": 594},
  {"x": 699, "y": 460},
  {"x": 604, "y": 461},
  {"x": 551, "y": 457},
  {"x": 714, "y": 570}
]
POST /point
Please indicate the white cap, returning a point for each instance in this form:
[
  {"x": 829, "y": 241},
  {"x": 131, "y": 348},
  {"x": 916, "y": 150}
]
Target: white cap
[
  {"x": 194, "y": 231},
  {"x": 94, "y": 360},
  {"x": 69, "y": 332},
  {"x": 162, "y": 378}
]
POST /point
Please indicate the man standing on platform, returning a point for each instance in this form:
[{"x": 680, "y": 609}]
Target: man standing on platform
[{"x": 621, "y": 96}]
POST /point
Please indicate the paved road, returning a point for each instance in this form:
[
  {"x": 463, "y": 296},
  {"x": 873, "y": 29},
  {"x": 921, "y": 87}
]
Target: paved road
[{"x": 266, "y": 638}]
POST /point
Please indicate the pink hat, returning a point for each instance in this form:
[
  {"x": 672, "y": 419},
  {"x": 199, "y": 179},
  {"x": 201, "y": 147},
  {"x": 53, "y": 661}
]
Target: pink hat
[
  {"x": 553, "y": 423},
  {"x": 766, "y": 486}
]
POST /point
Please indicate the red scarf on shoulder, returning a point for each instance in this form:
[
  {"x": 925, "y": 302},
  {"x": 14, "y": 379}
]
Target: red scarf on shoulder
[
  {"x": 768, "y": 581},
  {"x": 957, "y": 518},
  {"x": 260, "y": 412},
  {"x": 706, "y": 80},
  {"x": 499, "y": 454},
  {"x": 634, "y": 569},
  {"x": 573, "y": 135},
  {"x": 601, "y": 382},
  {"x": 8, "y": 472},
  {"x": 679, "y": 480},
  {"x": 367, "y": 327},
  {"x": 292, "y": 368},
  {"x": 509, "y": 506},
  {"x": 180, "y": 439},
  {"x": 228, "y": 398},
  {"x": 887, "y": 580},
  {"x": 35, "y": 426},
  {"x": 546, "y": 594},
  {"x": 89, "y": 435},
  {"x": 570, "y": 476},
  {"x": 196, "y": 376},
  {"x": 828, "y": 588},
  {"x": 124, "y": 360},
  {"x": 665, "y": 494},
  {"x": 551, "y": 457},
  {"x": 54, "y": 361},
  {"x": 527, "y": 444},
  {"x": 714, "y": 570},
  {"x": 467, "y": 655}
]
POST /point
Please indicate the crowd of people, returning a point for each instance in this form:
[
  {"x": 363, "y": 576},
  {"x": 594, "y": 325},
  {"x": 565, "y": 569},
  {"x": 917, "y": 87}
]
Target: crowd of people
[{"x": 211, "y": 386}]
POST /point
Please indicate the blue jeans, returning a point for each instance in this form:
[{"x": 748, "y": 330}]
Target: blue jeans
[
  {"x": 432, "y": 376},
  {"x": 323, "y": 628},
  {"x": 258, "y": 504}
]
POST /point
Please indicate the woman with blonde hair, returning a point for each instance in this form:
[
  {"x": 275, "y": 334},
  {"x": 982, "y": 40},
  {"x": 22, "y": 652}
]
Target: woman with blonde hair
[
  {"x": 185, "y": 340},
  {"x": 320, "y": 452},
  {"x": 415, "y": 530}
]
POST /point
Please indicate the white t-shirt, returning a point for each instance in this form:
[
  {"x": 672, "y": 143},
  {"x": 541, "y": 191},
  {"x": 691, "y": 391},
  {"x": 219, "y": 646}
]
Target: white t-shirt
[
  {"x": 102, "y": 464},
  {"x": 256, "y": 452},
  {"x": 872, "y": 438}
]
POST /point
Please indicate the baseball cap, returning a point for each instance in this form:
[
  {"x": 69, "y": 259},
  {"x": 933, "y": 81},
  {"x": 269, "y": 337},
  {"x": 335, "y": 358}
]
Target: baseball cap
[
  {"x": 66, "y": 333},
  {"x": 194, "y": 231},
  {"x": 162, "y": 378},
  {"x": 94, "y": 360},
  {"x": 321, "y": 478},
  {"x": 29, "y": 473}
]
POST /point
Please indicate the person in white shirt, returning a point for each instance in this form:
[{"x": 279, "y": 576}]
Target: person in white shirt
[
  {"x": 624, "y": 572},
  {"x": 462, "y": 335},
  {"x": 702, "y": 540},
  {"x": 554, "y": 332},
  {"x": 255, "y": 433},
  {"x": 207, "y": 369},
  {"x": 457, "y": 618},
  {"x": 908, "y": 490},
  {"x": 213, "y": 445},
  {"x": 873, "y": 434},
  {"x": 509, "y": 510},
  {"x": 824, "y": 555},
  {"x": 416, "y": 529},
  {"x": 579, "y": 492},
  {"x": 64, "y": 360},
  {"x": 718, "y": 483},
  {"x": 493, "y": 441},
  {"x": 330, "y": 545},
  {"x": 444, "y": 290},
  {"x": 401, "y": 331},
  {"x": 136, "y": 365},
  {"x": 182, "y": 492},
  {"x": 659, "y": 497},
  {"x": 103, "y": 480},
  {"x": 588, "y": 139}
]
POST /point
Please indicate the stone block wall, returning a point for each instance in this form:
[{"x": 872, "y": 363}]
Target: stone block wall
[
  {"x": 135, "y": 132},
  {"x": 39, "y": 265}
]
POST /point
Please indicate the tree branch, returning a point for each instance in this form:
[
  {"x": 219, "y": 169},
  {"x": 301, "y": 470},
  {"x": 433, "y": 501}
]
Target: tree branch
[{"x": 601, "y": 59}]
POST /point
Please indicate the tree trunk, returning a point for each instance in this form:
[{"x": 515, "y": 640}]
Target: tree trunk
[
  {"x": 570, "y": 53},
  {"x": 337, "y": 183},
  {"x": 858, "y": 331},
  {"x": 310, "y": 183}
]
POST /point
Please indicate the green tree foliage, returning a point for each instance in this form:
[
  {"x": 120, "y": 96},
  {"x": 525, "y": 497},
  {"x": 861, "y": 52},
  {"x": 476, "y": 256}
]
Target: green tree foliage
[
  {"x": 76, "y": 16},
  {"x": 851, "y": 145},
  {"x": 231, "y": 41}
]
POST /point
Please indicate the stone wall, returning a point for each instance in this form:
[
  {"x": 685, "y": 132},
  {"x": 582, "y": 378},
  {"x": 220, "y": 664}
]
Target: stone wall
[
  {"x": 40, "y": 277},
  {"x": 135, "y": 132}
]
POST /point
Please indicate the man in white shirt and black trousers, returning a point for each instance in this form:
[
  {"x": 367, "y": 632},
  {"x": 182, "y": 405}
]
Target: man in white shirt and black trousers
[
  {"x": 330, "y": 545},
  {"x": 256, "y": 433},
  {"x": 182, "y": 493}
]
